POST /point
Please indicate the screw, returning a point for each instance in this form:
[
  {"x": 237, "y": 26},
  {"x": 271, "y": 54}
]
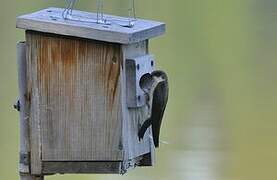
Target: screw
[
  {"x": 138, "y": 66},
  {"x": 17, "y": 105},
  {"x": 152, "y": 63}
]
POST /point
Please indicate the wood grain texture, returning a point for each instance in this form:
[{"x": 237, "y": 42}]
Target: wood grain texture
[
  {"x": 99, "y": 167},
  {"x": 32, "y": 99},
  {"x": 134, "y": 117},
  {"x": 24, "y": 107},
  {"x": 76, "y": 112},
  {"x": 24, "y": 169},
  {"x": 50, "y": 20}
]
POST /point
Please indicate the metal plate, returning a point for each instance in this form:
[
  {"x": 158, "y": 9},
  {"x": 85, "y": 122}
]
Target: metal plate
[{"x": 135, "y": 69}]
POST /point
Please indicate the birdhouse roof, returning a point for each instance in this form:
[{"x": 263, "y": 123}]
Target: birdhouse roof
[{"x": 50, "y": 20}]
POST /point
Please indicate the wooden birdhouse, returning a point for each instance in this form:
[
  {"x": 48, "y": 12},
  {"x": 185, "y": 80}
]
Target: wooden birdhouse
[{"x": 82, "y": 99}]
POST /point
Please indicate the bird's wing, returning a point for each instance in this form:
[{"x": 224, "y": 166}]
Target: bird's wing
[
  {"x": 157, "y": 85},
  {"x": 148, "y": 83},
  {"x": 160, "y": 98}
]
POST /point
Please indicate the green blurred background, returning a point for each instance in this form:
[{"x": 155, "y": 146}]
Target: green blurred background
[{"x": 221, "y": 121}]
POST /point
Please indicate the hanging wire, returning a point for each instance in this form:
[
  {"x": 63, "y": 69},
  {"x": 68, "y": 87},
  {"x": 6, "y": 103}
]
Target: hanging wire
[
  {"x": 132, "y": 13},
  {"x": 65, "y": 11},
  {"x": 102, "y": 9},
  {"x": 69, "y": 8},
  {"x": 98, "y": 14},
  {"x": 133, "y": 9},
  {"x": 100, "y": 19}
]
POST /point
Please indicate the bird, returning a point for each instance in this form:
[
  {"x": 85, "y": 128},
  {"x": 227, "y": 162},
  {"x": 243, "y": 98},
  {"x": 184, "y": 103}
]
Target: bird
[{"x": 155, "y": 85}]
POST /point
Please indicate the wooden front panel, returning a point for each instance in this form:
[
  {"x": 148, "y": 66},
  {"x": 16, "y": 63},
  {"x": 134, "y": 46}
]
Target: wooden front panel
[{"x": 74, "y": 87}]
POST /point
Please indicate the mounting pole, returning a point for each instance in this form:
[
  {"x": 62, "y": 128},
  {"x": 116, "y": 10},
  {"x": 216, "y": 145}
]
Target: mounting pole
[{"x": 23, "y": 107}]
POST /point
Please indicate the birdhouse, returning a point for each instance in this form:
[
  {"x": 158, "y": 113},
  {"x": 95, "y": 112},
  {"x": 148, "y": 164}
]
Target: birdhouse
[{"x": 88, "y": 94}]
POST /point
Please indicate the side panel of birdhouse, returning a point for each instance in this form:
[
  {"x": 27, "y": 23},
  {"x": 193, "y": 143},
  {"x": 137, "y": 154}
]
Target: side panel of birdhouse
[
  {"x": 143, "y": 150},
  {"x": 74, "y": 88}
]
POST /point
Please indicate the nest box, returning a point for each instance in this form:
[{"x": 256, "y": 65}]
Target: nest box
[{"x": 81, "y": 95}]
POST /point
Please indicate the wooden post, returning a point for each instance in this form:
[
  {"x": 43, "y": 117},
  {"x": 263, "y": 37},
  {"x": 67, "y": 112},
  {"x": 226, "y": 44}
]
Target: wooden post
[{"x": 23, "y": 107}]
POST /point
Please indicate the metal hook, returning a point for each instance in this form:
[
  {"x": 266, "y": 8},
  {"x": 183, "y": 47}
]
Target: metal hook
[
  {"x": 69, "y": 8},
  {"x": 132, "y": 13},
  {"x": 100, "y": 13}
]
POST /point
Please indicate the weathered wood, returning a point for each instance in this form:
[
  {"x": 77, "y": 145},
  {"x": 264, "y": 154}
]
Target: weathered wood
[
  {"x": 75, "y": 92},
  {"x": 24, "y": 163},
  {"x": 133, "y": 117},
  {"x": 32, "y": 98},
  {"x": 24, "y": 111},
  {"x": 100, "y": 167},
  {"x": 50, "y": 20},
  {"x": 76, "y": 99}
]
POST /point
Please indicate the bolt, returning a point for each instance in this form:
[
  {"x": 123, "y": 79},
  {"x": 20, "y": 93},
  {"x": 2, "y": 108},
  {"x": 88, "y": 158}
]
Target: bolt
[
  {"x": 152, "y": 63},
  {"x": 17, "y": 105}
]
